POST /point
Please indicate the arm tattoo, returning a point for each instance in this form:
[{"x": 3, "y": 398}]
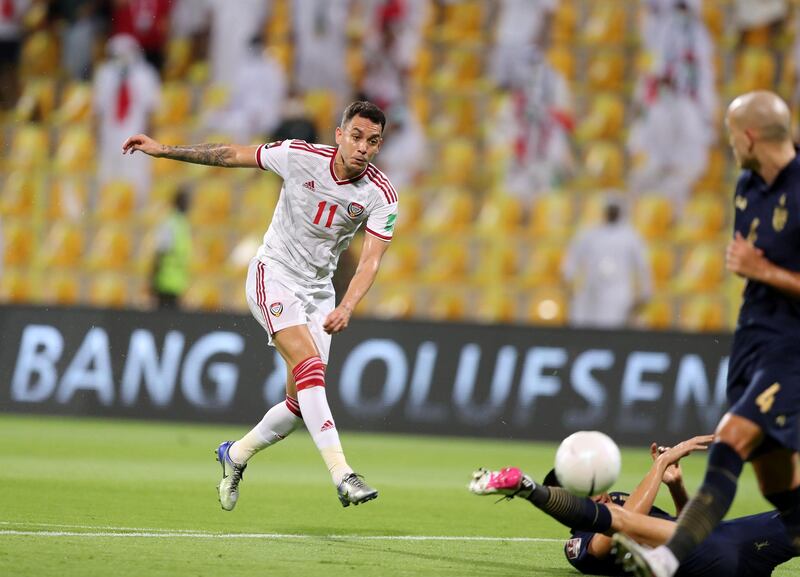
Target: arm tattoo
[{"x": 209, "y": 154}]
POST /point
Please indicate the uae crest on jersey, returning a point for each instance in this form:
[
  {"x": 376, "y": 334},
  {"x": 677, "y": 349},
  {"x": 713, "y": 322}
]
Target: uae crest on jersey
[
  {"x": 354, "y": 210},
  {"x": 276, "y": 309},
  {"x": 780, "y": 215}
]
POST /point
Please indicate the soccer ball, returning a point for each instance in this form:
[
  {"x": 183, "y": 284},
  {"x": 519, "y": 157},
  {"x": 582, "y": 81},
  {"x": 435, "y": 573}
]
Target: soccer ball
[{"x": 587, "y": 463}]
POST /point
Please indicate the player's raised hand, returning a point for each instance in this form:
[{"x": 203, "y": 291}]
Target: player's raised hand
[
  {"x": 674, "y": 454},
  {"x": 744, "y": 259},
  {"x": 337, "y": 320},
  {"x": 143, "y": 143}
]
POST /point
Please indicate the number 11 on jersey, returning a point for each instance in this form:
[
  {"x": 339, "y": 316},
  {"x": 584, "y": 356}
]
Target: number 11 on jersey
[{"x": 331, "y": 212}]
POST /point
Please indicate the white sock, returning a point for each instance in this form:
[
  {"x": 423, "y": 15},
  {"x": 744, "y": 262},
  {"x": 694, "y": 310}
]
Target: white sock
[
  {"x": 319, "y": 422},
  {"x": 277, "y": 424}
]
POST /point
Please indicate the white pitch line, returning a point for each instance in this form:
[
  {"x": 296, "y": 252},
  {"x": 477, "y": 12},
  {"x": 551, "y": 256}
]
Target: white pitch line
[
  {"x": 198, "y": 535},
  {"x": 95, "y": 527}
]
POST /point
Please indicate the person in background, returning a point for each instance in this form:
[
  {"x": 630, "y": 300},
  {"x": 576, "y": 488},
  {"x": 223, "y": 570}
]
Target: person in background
[
  {"x": 606, "y": 267},
  {"x": 126, "y": 92},
  {"x": 170, "y": 274}
]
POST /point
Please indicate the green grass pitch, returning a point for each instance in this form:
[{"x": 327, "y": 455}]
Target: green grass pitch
[{"x": 84, "y": 497}]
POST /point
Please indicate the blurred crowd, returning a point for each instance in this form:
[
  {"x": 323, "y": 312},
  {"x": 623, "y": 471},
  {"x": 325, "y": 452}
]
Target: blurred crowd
[{"x": 558, "y": 161}]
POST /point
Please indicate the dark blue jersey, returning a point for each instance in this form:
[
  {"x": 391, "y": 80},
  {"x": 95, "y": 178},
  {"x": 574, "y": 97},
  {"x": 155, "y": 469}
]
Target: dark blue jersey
[
  {"x": 764, "y": 366},
  {"x": 745, "y": 547},
  {"x": 769, "y": 217}
]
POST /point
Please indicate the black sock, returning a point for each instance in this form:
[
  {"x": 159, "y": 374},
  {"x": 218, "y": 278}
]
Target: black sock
[
  {"x": 788, "y": 505},
  {"x": 708, "y": 507},
  {"x": 579, "y": 513}
]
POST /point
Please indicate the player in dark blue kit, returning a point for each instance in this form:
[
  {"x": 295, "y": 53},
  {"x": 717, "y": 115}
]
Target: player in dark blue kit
[
  {"x": 745, "y": 547},
  {"x": 762, "y": 424}
]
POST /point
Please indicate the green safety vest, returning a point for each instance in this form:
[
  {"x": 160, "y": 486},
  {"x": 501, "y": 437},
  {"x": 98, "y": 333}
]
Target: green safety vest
[{"x": 173, "y": 275}]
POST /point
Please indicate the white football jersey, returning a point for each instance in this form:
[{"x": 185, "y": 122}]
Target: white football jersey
[{"x": 317, "y": 215}]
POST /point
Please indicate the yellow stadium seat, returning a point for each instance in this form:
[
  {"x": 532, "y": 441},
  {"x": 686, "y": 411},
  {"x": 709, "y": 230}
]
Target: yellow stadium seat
[
  {"x": 37, "y": 101},
  {"x": 604, "y": 164},
  {"x": 320, "y": 106},
  {"x": 76, "y": 103},
  {"x": 257, "y": 203},
  {"x": 410, "y": 214},
  {"x": 462, "y": 21},
  {"x": 702, "y": 269},
  {"x": 552, "y": 216},
  {"x": 175, "y": 104},
  {"x": 449, "y": 262},
  {"x": 39, "y": 56},
  {"x": 652, "y": 216},
  {"x": 565, "y": 20},
  {"x": 394, "y": 302},
  {"x": 457, "y": 162},
  {"x": 278, "y": 26},
  {"x": 606, "y": 23},
  {"x": 563, "y": 60},
  {"x": 19, "y": 243},
  {"x": 713, "y": 179},
  {"x": 607, "y": 71},
  {"x": 62, "y": 288},
  {"x": 541, "y": 264},
  {"x": 108, "y": 290},
  {"x": 656, "y": 315},
  {"x": 19, "y": 194},
  {"x": 211, "y": 202},
  {"x": 755, "y": 70},
  {"x": 117, "y": 201},
  {"x": 447, "y": 304},
  {"x": 111, "y": 248},
  {"x": 450, "y": 211},
  {"x": 164, "y": 167},
  {"x": 64, "y": 245},
  {"x": 592, "y": 211},
  {"x": 69, "y": 198},
  {"x": 209, "y": 251},
  {"x": 30, "y": 148},
  {"x": 494, "y": 305},
  {"x": 75, "y": 151},
  {"x": 605, "y": 119},
  {"x": 400, "y": 262},
  {"x": 547, "y": 306},
  {"x": 714, "y": 18},
  {"x": 661, "y": 257},
  {"x": 205, "y": 295},
  {"x": 702, "y": 313},
  {"x": 497, "y": 262},
  {"x": 16, "y": 287},
  {"x": 178, "y": 58},
  {"x": 703, "y": 219},
  {"x": 423, "y": 68},
  {"x": 500, "y": 214}
]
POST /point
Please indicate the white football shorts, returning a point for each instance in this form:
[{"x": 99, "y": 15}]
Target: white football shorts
[{"x": 278, "y": 301}]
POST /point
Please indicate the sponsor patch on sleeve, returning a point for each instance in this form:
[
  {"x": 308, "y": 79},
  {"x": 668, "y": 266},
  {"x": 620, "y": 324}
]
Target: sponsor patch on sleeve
[{"x": 573, "y": 548}]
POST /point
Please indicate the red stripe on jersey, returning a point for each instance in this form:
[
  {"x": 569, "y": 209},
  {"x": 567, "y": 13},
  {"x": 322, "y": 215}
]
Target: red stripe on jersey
[
  {"x": 377, "y": 176},
  {"x": 373, "y": 233},
  {"x": 386, "y": 192},
  {"x": 305, "y": 147},
  {"x": 274, "y": 144},
  {"x": 261, "y": 296},
  {"x": 349, "y": 180},
  {"x": 258, "y": 157}
]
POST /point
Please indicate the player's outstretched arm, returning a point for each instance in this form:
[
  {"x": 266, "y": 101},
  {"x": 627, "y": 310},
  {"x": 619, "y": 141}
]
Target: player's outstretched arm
[
  {"x": 365, "y": 274},
  {"x": 213, "y": 154}
]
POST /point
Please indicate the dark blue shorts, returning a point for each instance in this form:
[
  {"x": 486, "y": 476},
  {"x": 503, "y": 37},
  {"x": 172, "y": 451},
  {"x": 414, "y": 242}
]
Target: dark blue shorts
[
  {"x": 765, "y": 388},
  {"x": 745, "y": 547}
]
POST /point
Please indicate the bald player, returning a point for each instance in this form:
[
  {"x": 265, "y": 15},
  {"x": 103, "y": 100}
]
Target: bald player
[{"x": 763, "y": 391}]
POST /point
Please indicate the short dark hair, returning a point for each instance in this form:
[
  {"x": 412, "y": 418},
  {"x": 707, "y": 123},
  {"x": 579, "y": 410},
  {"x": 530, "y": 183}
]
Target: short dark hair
[
  {"x": 551, "y": 480},
  {"x": 366, "y": 110}
]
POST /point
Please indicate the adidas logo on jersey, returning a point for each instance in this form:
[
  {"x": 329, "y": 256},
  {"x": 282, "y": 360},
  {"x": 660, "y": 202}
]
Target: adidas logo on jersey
[
  {"x": 309, "y": 185},
  {"x": 327, "y": 425}
]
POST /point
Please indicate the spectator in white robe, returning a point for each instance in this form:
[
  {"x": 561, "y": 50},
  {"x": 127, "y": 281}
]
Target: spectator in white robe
[
  {"x": 320, "y": 46},
  {"x": 126, "y": 92},
  {"x": 676, "y": 101},
  {"x": 233, "y": 25},
  {"x": 404, "y": 153},
  {"x": 256, "y": 100},
  {"x": 607, "y": 270}
]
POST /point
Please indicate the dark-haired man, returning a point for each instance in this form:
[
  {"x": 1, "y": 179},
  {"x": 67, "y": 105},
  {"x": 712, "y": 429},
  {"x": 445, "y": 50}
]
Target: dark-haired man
[
  {"x": 328, "y": 193},
  {"x": 744, "y": 547}
]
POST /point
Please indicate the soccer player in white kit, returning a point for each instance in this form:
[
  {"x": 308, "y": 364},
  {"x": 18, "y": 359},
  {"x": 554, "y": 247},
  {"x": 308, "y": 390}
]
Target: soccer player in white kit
[{"x": 328, "y": 193}]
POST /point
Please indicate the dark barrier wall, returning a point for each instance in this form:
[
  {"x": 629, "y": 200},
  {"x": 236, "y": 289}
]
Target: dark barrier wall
[{"x": 498, "y": 381}]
